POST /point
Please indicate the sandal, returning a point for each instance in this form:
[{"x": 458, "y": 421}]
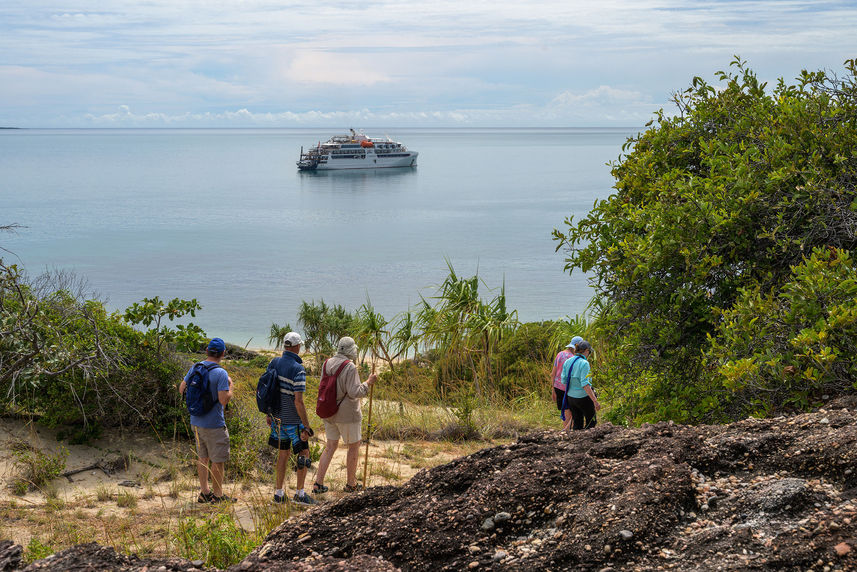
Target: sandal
[
  {"x": 318, "y": 489},
  {"x": 223, "y": 498},
  {"x": 355, "y": 489},
  {"x": 204, "y": 497}
]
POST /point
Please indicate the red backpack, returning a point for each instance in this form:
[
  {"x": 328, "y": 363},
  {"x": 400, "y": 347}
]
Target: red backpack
[{"x": 327, "y": 406}]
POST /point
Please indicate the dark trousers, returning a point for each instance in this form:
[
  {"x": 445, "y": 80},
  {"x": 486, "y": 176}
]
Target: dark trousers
[{"x": 582, "y": 412}]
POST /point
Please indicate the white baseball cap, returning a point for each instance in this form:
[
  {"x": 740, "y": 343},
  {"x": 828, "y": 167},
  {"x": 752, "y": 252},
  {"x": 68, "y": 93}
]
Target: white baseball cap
[{"x": 292, "y": 339}]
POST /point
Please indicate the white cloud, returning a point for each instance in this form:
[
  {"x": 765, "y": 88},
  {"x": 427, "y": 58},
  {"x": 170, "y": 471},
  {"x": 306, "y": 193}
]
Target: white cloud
[
  {"x": 437, "y": 61},
  {"x": 334, "y": 68}
]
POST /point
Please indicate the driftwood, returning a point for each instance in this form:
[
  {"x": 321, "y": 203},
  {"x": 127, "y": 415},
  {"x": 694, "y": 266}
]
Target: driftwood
[{"x": 109, "y": 466}]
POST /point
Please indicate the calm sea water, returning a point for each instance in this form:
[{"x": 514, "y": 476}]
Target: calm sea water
[{"x": 225, "y": 217}]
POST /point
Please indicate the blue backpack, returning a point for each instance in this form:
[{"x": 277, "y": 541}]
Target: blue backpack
[
  {"x": 268, "y": 389},
  {"x": 198, "y": 394},
  {"x": 565, "y": 395}
]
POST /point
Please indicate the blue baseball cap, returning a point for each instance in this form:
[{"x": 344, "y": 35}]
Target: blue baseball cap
[
  {"x": 574, "y": 341},
  {"x": 216, "y": 345}
]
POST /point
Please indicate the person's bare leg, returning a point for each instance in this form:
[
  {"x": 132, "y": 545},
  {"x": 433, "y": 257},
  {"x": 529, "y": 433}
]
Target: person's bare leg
[
  {"x": 202, "y": 472},
  {"x": 351, "y": 459},
  {"x": 282, "y": 463},
  {"x": 217, "y": 478},
  {"x": 324, "y": 461}
]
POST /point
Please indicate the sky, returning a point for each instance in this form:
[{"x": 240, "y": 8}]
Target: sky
[{"x": 392, "y": 63}]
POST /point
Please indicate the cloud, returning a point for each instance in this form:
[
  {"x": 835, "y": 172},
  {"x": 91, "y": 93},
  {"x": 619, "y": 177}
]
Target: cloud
[
  {"x": 335, "y": 68},
  {"x": 199, "y": 62}
]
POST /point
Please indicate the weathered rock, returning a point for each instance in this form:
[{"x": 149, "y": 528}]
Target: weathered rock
[
  {"x": 10, "y": 555},
  {"x": 607, "y": 498}
]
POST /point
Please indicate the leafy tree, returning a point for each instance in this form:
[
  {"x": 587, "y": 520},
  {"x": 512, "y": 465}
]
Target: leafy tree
[
  {"x": 151, "y": 312},
  {"x": 464, "y": 329},
  {"x": 323, "y": 325},
  {"x": 64, "y": 358},
  {"x": 790, "y": 347},
  {"x": 278, "y": 333},
  {"x": 48, "y": 330},
  {"x": 722, "y": 198},
  {"x": 311, "y": 317}
]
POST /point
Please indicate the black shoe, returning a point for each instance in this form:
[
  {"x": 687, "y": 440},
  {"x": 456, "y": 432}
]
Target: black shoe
[
  {"x": 318, "y": 489},
  {"x": 279, "y": 499},
  {"x": 222, "y": 498},
  {"x": 355, "y": 489},
  {"x": 304, "y": 499},
  {"x": 204, "y": 498}
]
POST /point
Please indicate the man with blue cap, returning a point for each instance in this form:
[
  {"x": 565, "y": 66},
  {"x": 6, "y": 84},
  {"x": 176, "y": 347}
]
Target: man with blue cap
[
  {"x": 556, "y": 373},
  {"x": 209, "y": 428}
]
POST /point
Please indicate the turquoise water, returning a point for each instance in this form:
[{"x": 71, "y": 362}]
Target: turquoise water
[{"x": 225, "y": 217}]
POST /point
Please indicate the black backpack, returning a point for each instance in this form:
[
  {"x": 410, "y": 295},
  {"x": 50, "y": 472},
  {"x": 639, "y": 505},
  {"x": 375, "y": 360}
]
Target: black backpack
[
  {"x": 268, "y": 389},
  {"x": 198, "y": 393}
]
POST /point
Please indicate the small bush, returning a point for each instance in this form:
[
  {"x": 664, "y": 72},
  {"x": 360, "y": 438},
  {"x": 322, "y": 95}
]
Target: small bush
[
  {"x": 39, "y": 468},
  {"x": 36, "y": 550},
  {"x": 126, "y": 499},
  {"x": 218, "y": 540},
  {"x": 102, "y": 493}
]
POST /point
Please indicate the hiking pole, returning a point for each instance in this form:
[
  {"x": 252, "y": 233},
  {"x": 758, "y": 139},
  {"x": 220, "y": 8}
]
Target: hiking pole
[{"x": 368, "y": 427}]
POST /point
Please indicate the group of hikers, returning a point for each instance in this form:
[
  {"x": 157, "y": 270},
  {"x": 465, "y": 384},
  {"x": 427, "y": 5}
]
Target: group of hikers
[
  {"x": 288, "y": 420},
  {"x": 289, "y": 423},
  {"x": 575, "y": 398}
]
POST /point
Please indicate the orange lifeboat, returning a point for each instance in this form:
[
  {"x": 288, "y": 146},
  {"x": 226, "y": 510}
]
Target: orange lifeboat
[{"x": 366, "y": 144}]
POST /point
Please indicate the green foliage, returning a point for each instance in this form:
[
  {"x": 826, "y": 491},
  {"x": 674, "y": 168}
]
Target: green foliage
[
  {"x": 244, "y": 437},
  {"x": 278, "y": 334},
  {"x": 791, "y": 347},
  {"x": 525, "y": 359},
  {"x": 217, "y": 540},
  {"x": 150, "y": 312},
  {"x": 323, "y": 325},
  {"x": 722, "y": 199},
  {"x": 36, "y": 550},
  {"x": 466, "y": 330},
  {"x": 64, "y": 358},
  {"x": 38, "y": 468}
]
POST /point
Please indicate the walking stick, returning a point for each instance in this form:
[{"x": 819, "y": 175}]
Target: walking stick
[{"x": 368, "y": 427}]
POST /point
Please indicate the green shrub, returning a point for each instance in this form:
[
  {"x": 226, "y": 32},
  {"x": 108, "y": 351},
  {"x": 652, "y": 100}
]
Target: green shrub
[
  {"x": 712, "y": 208},
  {"x": 775, "y": 352},
  {"x": 217, "y": 540},
  {"x": 36, "y": 550},
  {"x": 38, "y": 468},
  {"x": 246, "y": 437}
]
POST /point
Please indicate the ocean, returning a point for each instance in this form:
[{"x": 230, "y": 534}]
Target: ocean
[{"x": 224, "y": 216}]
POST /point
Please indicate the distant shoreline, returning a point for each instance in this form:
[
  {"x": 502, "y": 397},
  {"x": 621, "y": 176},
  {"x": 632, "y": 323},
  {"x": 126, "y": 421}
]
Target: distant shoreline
[{"x": 9, "y": 127}]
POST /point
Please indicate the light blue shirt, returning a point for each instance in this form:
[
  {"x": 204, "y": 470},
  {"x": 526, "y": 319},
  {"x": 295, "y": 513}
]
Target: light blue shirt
[
  {"x": 575, "y": 374},
  {"x": 218, "y": 380}
]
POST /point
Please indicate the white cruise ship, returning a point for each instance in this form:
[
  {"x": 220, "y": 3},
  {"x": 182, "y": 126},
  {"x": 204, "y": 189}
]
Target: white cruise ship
[{"x": 356, "y": 151}]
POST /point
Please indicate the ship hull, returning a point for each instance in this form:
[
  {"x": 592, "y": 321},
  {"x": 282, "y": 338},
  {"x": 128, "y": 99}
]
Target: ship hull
[{"x": 367, "y": 161}]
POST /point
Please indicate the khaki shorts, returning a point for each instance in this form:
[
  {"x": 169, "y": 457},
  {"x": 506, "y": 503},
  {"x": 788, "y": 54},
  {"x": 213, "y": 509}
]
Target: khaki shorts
[
  {"x": 348, "y": 433},
  {"x": 212, "y": 443}
]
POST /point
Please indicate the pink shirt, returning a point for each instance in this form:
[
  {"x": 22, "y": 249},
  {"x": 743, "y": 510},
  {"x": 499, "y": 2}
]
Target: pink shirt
[{"x": 558, "y": 363}]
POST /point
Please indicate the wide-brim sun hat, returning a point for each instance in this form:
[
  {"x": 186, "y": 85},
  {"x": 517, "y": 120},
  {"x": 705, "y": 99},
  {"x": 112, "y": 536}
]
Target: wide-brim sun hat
[{"x": 347, "y": 346}]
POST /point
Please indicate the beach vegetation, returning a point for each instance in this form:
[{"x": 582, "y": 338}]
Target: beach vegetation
[
  {"x": 721, "y": 262},
  {"x": 153, "y": 313},
  {"x": 68, "y": 361}
]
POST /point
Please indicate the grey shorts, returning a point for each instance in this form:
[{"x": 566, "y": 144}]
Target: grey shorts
[{"x": 212, "y": 443}]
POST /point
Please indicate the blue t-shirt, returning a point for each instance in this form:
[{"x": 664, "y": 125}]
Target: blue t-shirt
[
  {"x": 575, "y": 374},
  {"x": 218, "y": 380}
]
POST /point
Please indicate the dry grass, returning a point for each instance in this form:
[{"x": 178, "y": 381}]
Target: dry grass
[{"x": 406, "y": 439}]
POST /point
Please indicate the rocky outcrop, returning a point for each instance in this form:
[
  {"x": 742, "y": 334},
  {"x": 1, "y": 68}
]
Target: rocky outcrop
[{"x": 773, "y": 494}]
